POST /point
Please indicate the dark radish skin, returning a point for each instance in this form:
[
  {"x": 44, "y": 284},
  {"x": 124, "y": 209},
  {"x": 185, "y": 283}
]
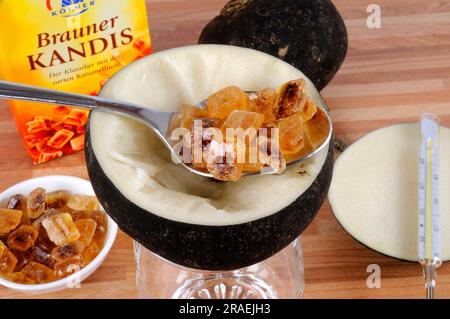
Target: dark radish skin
[{"x": 308, "y": 34}]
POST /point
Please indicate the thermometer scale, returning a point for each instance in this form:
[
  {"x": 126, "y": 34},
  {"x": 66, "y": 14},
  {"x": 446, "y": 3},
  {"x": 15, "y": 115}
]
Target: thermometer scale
[{"x": 429, "y": 217}]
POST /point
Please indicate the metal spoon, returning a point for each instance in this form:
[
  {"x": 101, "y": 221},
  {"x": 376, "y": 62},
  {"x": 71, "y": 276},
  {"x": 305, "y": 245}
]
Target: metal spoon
[{"x": 158, "y": 121}]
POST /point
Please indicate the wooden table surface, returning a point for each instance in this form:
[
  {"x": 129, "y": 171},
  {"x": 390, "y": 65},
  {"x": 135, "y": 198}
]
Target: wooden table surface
[{"x": 390, "y": 75}]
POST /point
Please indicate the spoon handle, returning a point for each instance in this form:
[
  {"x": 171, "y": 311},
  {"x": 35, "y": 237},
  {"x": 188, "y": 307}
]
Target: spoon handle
[
  {"x": 158, "y": 120},
  {"x": 15, "y": 91}
]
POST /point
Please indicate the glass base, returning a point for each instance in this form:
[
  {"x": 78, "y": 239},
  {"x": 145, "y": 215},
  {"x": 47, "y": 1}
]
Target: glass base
[
  {"x": 280, "y": 276},
  {"x": 225, "y": 286}
]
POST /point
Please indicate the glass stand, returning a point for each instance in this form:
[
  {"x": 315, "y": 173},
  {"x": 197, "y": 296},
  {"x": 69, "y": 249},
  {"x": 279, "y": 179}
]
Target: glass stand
[{"x": 280, "y": 276}]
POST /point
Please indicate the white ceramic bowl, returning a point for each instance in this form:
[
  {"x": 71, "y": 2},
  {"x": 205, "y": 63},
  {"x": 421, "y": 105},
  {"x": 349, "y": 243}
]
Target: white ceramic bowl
[{"x": 76, "y": 186}]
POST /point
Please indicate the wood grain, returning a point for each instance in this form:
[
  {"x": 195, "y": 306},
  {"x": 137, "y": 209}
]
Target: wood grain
[{"x": 390, "y": 75}]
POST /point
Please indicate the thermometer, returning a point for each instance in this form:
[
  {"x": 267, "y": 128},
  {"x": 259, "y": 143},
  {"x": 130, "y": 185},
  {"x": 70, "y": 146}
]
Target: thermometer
[{"x": 429, "y": 223}]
